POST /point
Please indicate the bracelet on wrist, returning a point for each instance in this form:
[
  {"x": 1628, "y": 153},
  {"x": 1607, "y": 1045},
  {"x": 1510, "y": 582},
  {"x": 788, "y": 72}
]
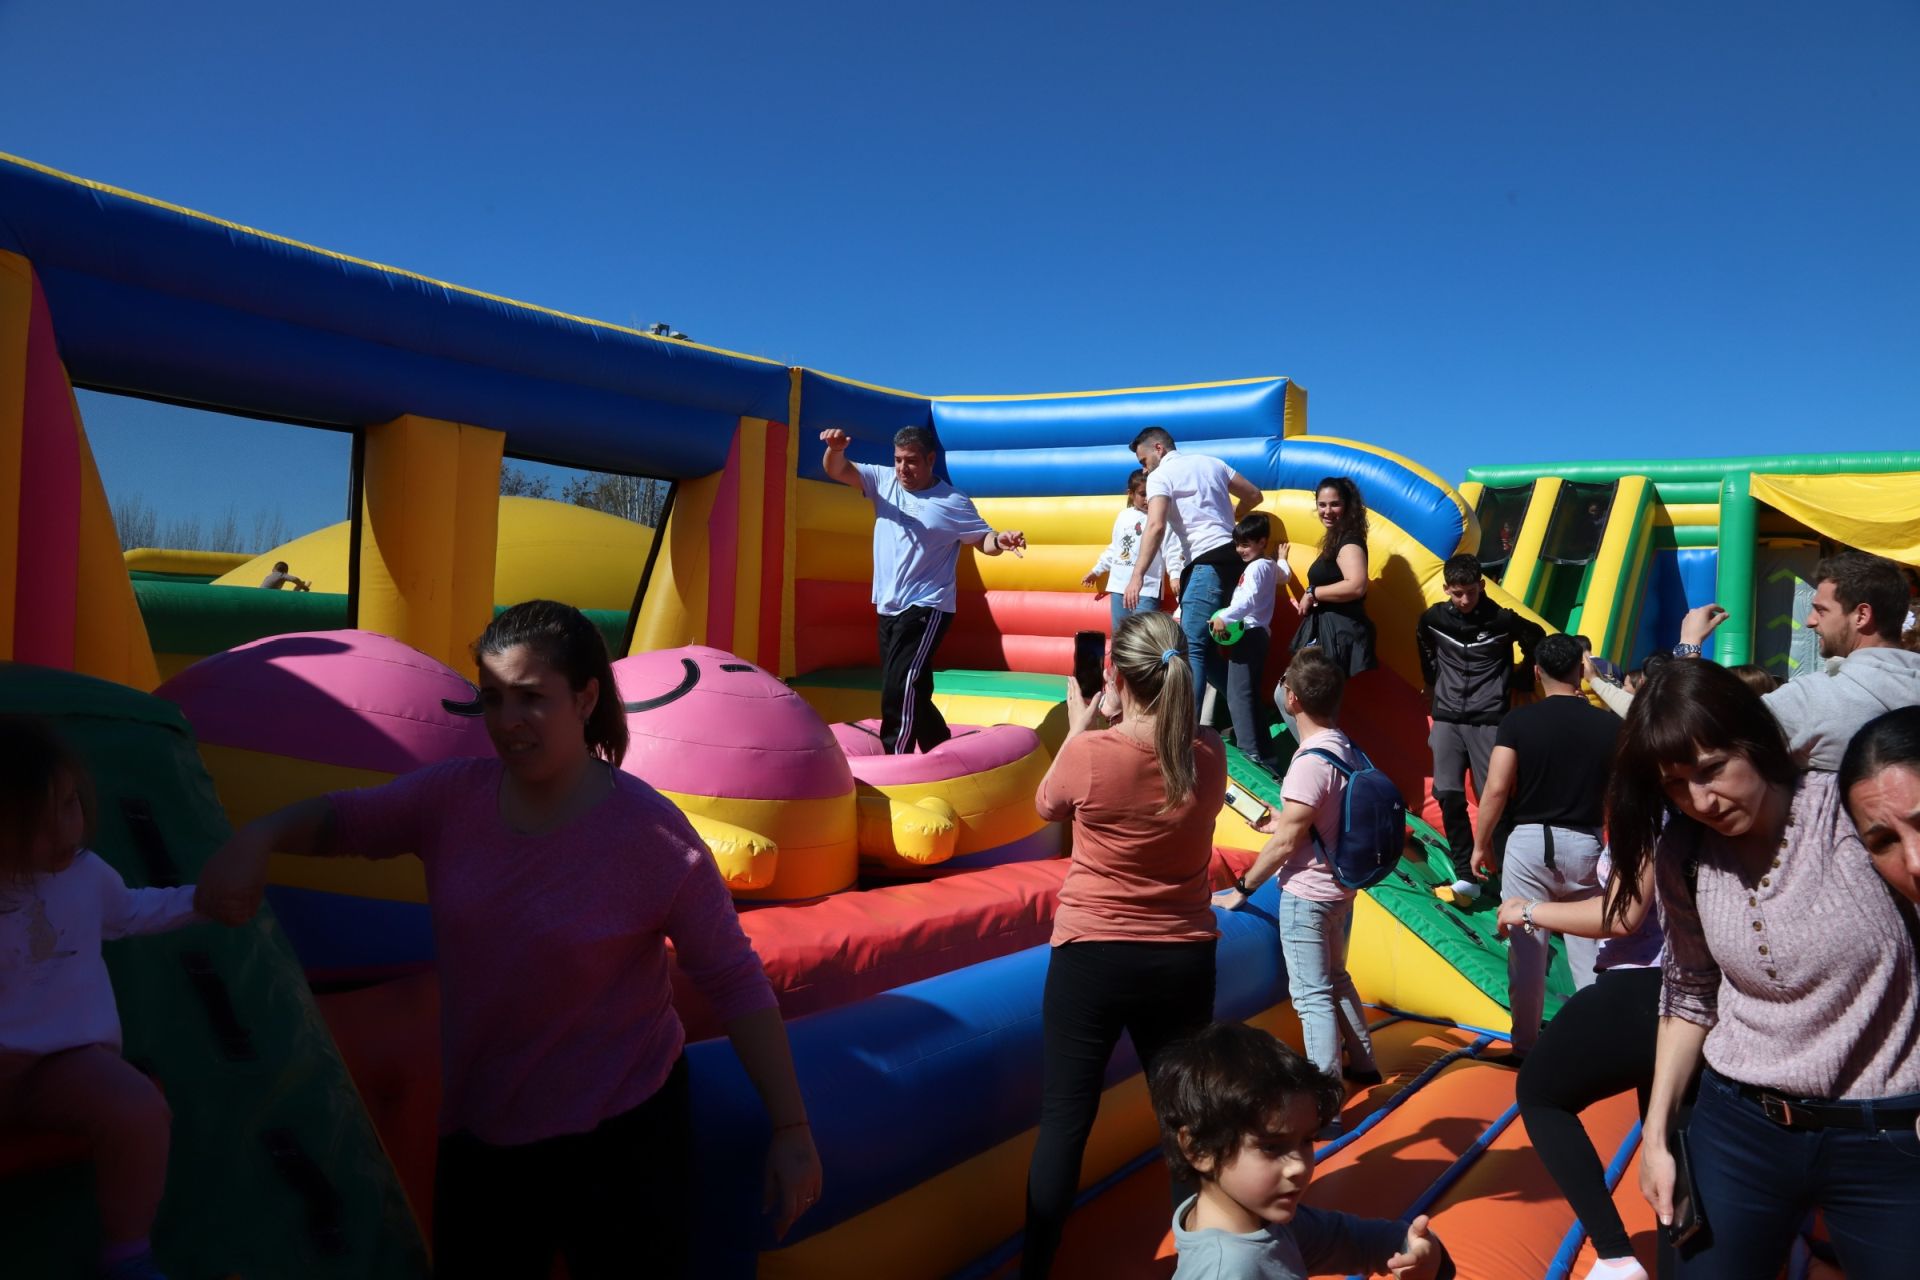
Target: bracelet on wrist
[
  {"x": 1240, "y": 883},
  {"x": 1684, "y": 650}
]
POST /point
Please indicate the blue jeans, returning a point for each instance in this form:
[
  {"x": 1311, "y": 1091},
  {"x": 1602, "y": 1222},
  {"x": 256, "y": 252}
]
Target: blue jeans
[
  {"x": 1117, "y": 607},
  {"x": 1201, "y": 596},
  {"x": 1313, "y": 940},
  {"x": 1757, "y": 1180}
]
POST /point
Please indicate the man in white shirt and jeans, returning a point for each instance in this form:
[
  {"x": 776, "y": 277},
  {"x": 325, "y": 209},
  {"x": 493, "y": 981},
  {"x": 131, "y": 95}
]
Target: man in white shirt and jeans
[
  {"x": 920, "y": 524},
  {"x": 1195, "y": 499}
]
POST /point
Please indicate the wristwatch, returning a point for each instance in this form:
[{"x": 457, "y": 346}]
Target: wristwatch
[
  {"x": 1240, "y": 883},
  {"x": 1686, "y": 651},
  {"x": 1526, "y": 916}
]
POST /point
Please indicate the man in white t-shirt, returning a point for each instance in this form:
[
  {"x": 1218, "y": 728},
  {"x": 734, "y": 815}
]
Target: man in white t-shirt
[
  {"x": 920, "y": 524},
  {"x": 1196, "y": 500}
]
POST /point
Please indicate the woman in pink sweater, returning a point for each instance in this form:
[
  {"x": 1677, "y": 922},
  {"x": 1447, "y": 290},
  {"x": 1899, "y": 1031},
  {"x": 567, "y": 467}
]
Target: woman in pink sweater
[
  {"x": 554, "y": 881},
  {"x": 1790, "y": 989}
]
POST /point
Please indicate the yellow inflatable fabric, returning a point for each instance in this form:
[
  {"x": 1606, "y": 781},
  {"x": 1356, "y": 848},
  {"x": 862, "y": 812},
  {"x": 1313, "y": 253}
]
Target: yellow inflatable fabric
[{"x": 545, "y": 549}]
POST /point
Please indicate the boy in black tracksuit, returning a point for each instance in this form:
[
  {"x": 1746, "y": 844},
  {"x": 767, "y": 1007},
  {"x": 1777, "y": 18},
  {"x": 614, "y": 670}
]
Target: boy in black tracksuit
[{"x": 1466, "y": 658}]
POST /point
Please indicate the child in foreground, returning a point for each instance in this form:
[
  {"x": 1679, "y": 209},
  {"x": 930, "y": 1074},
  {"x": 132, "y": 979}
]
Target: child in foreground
[
  {"x": 60, "y": 1063},
  {"x": 1238, "y": 1111}
]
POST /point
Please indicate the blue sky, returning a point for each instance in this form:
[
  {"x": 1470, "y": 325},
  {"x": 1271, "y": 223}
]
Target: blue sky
[{"x": 1475, "y": 232}]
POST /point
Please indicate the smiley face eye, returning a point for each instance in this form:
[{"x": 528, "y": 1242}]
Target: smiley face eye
[{"x": 690, "y": 676}]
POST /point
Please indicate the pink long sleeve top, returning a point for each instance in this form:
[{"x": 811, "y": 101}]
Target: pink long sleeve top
[{"x": 556, "y": 1004}]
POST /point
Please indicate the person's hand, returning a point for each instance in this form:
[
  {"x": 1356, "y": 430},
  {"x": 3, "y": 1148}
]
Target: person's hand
[
  {"x": 1587, "y": 668},
  {"x": 1700, "y": 623},
  {"x": 1080, "y": 709},
  {"x": 1304, "y": 603},
  {"x": 1268, "y": 824},
  {"x": 792, "y": 1182},
  {"x": 1173, "y": 584},
  {"x": 1657, "y": 1173},
  {"x": 1419, "y": 1257},
  {"x": 1219, "y": 629},
  {"x": 1229, "y": 899},
  {"x": 1132, "y": 598},
  {"x": 1090, "y": 579},
  {"x": 234, "y": 879},
  {"x": 1513, "y": 915},
  {"x": 1110, "y": 696},
  {"x": 1482, "y": 864},
  {"x": 835, "y": 439},
  {"x": 1012, "y": 540}
]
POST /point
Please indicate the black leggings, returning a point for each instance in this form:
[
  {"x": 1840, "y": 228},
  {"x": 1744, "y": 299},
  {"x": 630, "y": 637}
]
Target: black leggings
[
  {"x": 1156, "y": 992},
  {"x": 615, "y": 1201},
  {"x": 1599, "y": 1044}
]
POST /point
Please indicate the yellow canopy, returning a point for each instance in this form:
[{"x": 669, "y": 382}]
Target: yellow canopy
[{"x": 1874, "y": 513}]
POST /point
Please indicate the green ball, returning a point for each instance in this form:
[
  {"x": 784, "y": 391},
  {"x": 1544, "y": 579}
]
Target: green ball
[{"x": 1235, "y": 629}]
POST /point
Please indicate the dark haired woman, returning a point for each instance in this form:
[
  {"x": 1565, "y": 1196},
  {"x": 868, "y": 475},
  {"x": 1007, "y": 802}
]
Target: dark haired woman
[
  {"x": 1790, "y": 971},
  {"x": 554, "y": 881},
  {"x": 1333, "y": 612},
  {"x": 1133, "y": 941},
  {"x": 1880, "y": 778}
]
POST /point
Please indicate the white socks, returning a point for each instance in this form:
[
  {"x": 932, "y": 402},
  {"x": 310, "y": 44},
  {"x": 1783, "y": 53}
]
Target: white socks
[
  {"x": 1467, "y": 891},
  {"x": 1617, "y": 1269}
]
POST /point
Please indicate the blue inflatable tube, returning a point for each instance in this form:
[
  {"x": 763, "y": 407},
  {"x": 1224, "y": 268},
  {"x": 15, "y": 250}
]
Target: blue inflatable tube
[
  {"x": 1425, "y": 510},
  {"x": 157, "y": 301},
  {"x": 906, "y": 1084}
]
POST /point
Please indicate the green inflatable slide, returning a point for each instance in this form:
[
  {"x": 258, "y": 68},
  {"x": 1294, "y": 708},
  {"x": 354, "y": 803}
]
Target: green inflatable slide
[{"x": 275, "y": 1168}]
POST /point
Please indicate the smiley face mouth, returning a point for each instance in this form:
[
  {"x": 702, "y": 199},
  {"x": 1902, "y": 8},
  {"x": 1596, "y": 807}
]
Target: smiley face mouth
[{"x": 689, "y": 677}]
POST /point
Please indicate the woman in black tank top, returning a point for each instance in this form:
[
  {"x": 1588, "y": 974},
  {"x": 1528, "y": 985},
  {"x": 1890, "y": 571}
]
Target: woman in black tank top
[{"x": 1333, "y": 612}]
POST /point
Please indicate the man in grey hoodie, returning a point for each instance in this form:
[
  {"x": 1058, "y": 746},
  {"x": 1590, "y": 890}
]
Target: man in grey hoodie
[{"x": 1859, "y": 604}]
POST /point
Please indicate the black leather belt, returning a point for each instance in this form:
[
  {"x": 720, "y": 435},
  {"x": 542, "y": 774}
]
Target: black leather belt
[{"x": 1814, "y": 1113}]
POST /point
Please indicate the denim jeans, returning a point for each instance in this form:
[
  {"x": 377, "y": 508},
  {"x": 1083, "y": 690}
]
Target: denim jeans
[
  {"x": 1117, "y": 607},
  {"x": 1757, "y": 1180},
  {"x": 1201, "y": 596},
  {"x": 1313, "y": 940}
]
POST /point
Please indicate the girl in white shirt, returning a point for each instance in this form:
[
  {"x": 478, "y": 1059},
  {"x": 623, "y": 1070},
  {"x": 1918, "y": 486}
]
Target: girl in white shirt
[
  {"x": 1252, "y": 607},
  {"x": 1118, "y": 559},
  {"x": 60, "y": 1063}
]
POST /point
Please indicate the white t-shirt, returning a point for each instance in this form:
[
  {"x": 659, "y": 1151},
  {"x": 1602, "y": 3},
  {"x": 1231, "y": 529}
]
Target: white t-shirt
[
  {"x": 1314, "y": 782},
  {"x": 1200, "y": 508},
  {"x": 1117, "y": 561},
  {"x": 54, "y": 989},
  {"x": 917, "y": 538},
  {"x": 1253, "y": 597}
]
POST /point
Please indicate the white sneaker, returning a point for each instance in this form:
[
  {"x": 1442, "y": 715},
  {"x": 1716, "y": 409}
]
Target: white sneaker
[
  {"x": 1617, "y": 1269},
  {"x": 1465, "y": 891}
]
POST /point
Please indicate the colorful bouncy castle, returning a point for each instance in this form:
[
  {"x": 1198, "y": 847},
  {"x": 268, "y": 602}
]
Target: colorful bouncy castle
[{"x": 901, "y": 907}]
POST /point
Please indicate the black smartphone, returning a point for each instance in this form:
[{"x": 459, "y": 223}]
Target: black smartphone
[
  {"x": 1687, "y": 1219},
  {"x": 1090, "y": 662}
]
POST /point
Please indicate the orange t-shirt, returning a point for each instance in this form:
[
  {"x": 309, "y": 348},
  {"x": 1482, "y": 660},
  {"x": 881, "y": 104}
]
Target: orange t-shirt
[{"x": 1138, "y": 875}]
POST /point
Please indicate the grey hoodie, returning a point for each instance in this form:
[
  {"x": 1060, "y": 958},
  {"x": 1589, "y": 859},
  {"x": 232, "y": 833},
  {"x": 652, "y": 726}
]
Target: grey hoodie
[{"x": 1822, "y": 712}]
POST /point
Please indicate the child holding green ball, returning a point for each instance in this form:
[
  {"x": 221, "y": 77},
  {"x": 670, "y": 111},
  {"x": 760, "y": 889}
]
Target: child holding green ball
[{"x": 1250, "y": 613}]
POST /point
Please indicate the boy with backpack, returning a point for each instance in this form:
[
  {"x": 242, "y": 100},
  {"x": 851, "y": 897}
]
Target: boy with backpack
[{"x": 1341, "y": 827}]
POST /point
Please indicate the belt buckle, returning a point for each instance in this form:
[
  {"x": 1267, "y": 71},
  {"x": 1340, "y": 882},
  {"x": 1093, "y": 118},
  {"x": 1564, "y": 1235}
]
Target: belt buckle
[{"x": 1778, "y": 1110}]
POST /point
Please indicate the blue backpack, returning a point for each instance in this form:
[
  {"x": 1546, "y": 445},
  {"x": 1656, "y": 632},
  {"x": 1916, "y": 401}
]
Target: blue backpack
[{"x": 1373, "y": 824}]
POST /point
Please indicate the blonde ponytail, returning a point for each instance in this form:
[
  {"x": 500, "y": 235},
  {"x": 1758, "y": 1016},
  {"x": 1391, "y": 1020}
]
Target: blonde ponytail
[{"x": 1150, "y": 657}]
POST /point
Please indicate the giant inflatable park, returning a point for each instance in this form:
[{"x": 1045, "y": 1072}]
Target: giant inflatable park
[{"x": 900, "y": 905}]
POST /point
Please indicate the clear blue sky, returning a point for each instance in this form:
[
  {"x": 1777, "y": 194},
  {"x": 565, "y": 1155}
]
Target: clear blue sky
[{"x": 1474, "y": 232}]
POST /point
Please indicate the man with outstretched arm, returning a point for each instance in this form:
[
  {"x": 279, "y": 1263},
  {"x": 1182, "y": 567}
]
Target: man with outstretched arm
[
  {"x": 1195, "y": 499},
  {"x": 920, "y": 524}
]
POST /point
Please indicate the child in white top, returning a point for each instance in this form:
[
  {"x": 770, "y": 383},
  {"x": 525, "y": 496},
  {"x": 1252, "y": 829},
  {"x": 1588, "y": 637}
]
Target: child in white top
[
  {"x": 1117, "y": 561},
  {"x": 1252, "y": 606},
  {"x": 1238, "y": 1111},
  {"x": 60, "y": 1063}
]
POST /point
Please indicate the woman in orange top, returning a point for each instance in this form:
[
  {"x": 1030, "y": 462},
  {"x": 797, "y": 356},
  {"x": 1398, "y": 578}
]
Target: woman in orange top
[{"x": 1134, "y": 937}]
